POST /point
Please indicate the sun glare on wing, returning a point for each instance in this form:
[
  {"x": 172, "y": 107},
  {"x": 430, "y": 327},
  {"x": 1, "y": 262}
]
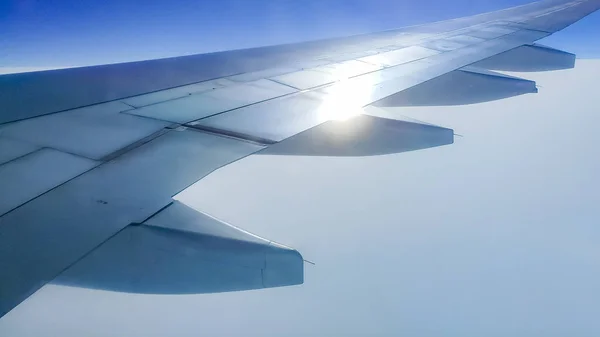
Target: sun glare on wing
[{"x": 346, "y": 98}]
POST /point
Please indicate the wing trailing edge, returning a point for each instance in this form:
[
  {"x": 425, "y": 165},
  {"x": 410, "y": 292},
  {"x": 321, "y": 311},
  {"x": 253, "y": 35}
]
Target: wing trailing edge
[
  {"x": 364, "y": 135},
  {"x": 183, "y": 251},
  {"x": 529, "y": 58},
  {"x": 464, "y": 86}
]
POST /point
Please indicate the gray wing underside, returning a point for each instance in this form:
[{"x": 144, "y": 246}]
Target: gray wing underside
[{"x": 91, "y": 158}]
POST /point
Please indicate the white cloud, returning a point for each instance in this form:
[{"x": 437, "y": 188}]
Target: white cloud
[{"x": 14, "y": 70}]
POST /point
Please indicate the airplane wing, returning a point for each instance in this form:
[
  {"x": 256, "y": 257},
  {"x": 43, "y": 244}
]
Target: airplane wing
[{"x": 92, "y": 158}]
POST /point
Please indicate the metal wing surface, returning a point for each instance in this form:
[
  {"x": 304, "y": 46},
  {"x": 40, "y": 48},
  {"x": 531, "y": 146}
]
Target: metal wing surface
[{"x": 91, "y": 158}]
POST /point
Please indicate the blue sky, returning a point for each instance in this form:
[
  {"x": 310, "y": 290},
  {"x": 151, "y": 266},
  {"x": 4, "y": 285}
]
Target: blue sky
[{"x": 71, "y": 32}]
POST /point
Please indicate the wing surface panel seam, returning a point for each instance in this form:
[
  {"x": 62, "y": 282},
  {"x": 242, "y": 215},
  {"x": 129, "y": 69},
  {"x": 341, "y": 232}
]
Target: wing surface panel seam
[{"x": 53, "y": 188}]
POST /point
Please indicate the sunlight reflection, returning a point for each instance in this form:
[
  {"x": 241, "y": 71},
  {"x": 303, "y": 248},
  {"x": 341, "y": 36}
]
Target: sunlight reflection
[{"x": 346, "y": 99}]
